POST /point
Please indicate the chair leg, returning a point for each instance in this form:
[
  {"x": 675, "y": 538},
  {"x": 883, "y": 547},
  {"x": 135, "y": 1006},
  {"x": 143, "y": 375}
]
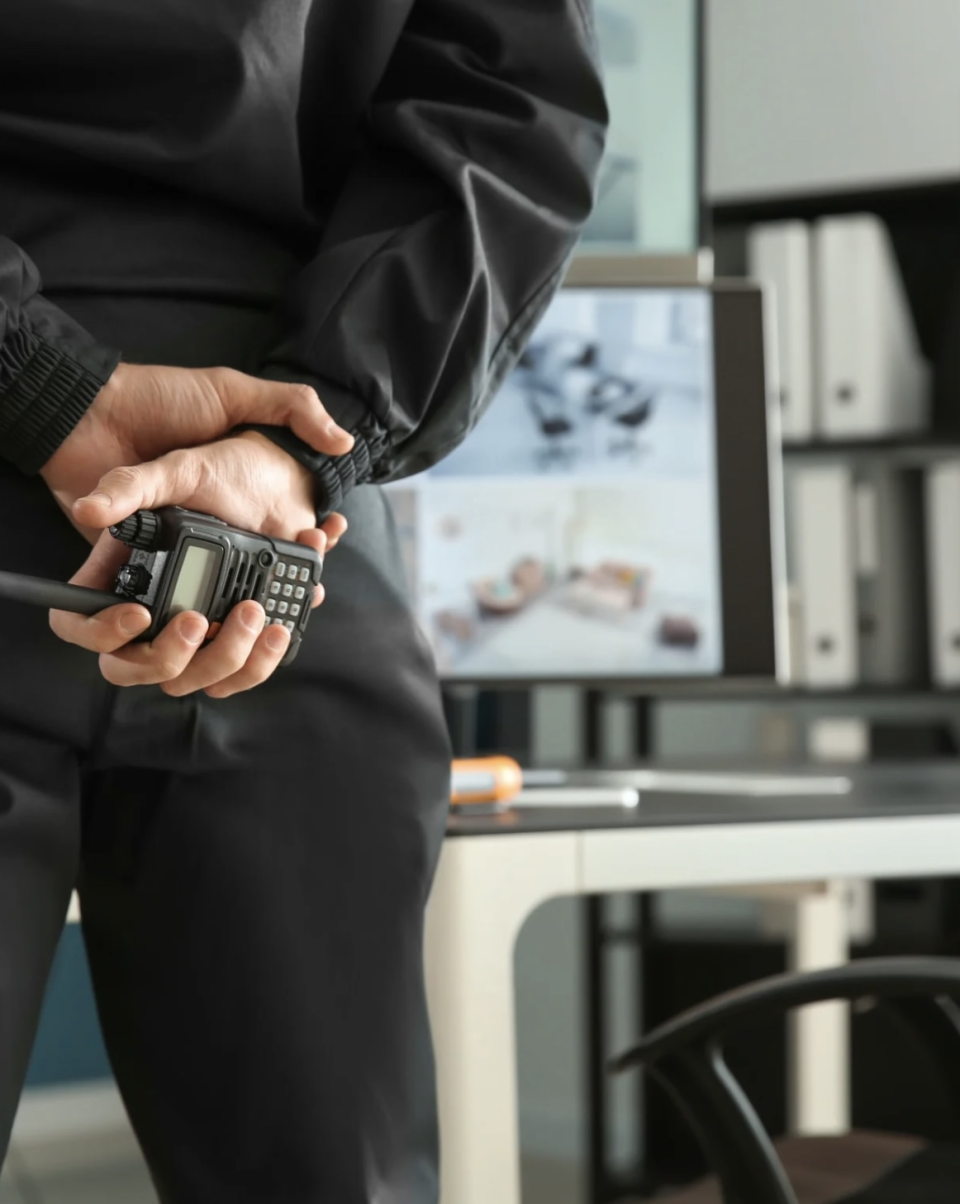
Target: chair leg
[{"x": 727, "y": 1125}]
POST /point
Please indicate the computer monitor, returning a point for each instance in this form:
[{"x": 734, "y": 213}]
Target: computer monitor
[
  {"x": 614, "y": 517},
  {"x": 648, "y": 197}
]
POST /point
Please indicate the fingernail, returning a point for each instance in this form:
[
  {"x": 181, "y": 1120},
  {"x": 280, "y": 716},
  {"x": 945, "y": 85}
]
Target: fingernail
[
  {"x": 193, "y": 630},
  {"x": 133, "y": 623},
  {"x": 252, "y": 618},
  {"x": 277, "y": 638},
  {"x": 333, "y": 431},
  {"x": 101, "y": 499}
]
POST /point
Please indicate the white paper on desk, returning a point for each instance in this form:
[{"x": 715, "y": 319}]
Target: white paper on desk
[
  {"x": 734, "y": 784},
  {"x": 578, "y": 796},
  {"x": 668, "y": 781}
]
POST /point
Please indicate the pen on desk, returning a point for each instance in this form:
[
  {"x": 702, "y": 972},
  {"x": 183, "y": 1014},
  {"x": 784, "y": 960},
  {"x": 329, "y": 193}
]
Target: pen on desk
[
  {"x": 482, "y": 781},
  {"x": 491, "y": 783}
]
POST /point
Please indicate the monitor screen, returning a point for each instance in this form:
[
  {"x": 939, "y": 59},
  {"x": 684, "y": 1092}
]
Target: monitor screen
[
  {"x": 648, "y": 197},
  {"x": 577, "y": 533}
]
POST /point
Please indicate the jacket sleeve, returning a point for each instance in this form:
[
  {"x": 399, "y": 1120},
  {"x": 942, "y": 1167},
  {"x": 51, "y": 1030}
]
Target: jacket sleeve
[
  {"x": 50, "y": 368},
  {"x": 473, "y": 175}
]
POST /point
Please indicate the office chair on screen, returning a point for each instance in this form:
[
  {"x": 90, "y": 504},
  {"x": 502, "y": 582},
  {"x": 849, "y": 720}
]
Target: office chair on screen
[{"x": 686, "y": 1056}]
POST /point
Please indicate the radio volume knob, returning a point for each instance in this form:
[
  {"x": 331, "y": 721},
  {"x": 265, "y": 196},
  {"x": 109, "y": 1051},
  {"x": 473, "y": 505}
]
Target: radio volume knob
[{"x": 140, "y": 530}]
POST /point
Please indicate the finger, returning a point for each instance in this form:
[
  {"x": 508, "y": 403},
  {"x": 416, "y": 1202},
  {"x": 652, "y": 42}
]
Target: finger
[
  {"x": 163, "y": 659},
  {"x": 315, "y": 537},
  {"x": 108, "y": 629},
  {"x": 88, "y": 533},
  {"x": 266, "y": 655},
  {"x": 146, "y": 486},
  {"x": 335, "y": 527},
  {"x": 223, "y": 657},
  {"x": 278, "y": 403},
  {"x": 99, "y": 570}
]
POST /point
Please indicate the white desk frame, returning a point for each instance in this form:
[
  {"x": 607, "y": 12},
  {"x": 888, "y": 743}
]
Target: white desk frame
[{"x": 487, "y": 886}]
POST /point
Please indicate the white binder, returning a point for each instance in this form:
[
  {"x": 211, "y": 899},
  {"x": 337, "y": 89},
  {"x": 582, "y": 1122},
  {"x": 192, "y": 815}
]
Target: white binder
[
  {"x": 871, "y": 378},
  {"x": 778, "y": 255},
  {"x": 888, "y": 538},
  {"x": 823, "y": 559},
  {"x": 858, "y": 568},
  {"x": 943, "y": 568}
]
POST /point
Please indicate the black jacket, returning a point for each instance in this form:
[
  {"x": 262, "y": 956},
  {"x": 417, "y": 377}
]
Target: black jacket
[{"x": 404, "y": 178}]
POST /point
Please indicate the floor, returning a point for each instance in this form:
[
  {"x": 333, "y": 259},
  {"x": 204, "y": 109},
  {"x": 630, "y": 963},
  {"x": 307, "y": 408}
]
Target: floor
[
  {"x": 118, "y": 1176},
  {"x": 124, "y": 1182}
]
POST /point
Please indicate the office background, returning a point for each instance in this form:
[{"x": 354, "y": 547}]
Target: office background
[{"x": 811, "y": 106}]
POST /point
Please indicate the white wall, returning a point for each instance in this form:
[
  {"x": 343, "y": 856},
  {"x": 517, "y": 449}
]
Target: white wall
[{"x": 818, "y": 95}]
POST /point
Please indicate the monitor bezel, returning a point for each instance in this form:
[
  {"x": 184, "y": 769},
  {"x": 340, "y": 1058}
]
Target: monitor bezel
[{"x": 755, "y": 645}]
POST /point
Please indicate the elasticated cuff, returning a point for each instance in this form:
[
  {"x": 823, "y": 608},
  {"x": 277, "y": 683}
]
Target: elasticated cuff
[
  {"x": 48, "y": 394},
  {"x": 335, "y": 476}
]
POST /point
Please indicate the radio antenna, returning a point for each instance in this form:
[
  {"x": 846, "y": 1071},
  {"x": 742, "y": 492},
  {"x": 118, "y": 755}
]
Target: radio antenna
[{"x": 55, "y": 595}]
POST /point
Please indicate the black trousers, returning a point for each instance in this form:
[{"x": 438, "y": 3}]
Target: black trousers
[{"x": 253, "y": 872}]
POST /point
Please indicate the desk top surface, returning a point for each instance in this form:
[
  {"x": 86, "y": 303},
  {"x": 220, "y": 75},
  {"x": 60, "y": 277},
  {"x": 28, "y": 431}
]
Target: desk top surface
[{"x": 879, "y": 791}]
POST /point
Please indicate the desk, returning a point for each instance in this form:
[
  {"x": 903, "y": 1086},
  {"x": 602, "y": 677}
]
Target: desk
[{"x": 898, "y": 821}]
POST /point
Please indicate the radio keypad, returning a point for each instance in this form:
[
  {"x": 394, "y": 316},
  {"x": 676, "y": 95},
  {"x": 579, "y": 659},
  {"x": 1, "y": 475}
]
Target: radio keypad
[{"x": 283, "y": 585}]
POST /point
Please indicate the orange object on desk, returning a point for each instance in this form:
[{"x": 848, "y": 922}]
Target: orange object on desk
[{"x": 485, "y": 780}]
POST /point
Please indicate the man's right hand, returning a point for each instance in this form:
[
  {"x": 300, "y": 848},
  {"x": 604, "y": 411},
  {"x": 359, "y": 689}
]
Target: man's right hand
[{"x": 145, "y": 411}]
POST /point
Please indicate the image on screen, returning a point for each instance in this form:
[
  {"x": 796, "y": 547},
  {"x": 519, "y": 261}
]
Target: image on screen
[{"x": 574, "y": 534}]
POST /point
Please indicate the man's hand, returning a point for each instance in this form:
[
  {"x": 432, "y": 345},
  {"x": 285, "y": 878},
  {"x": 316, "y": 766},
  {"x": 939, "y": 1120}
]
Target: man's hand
[
  {"x": 245, "y": 480},
  {"x": 145, "y": 411}
]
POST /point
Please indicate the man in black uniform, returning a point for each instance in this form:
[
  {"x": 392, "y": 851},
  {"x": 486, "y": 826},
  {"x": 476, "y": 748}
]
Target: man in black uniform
[{"x": 223, "y": 223}]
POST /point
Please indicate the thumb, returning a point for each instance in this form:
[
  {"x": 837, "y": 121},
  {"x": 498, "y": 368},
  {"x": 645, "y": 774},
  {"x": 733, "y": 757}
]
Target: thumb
[
  {"x": 100, "y": 567},
  {"x": 277, "y": 403},
  {"x": 167, "y": 481}
]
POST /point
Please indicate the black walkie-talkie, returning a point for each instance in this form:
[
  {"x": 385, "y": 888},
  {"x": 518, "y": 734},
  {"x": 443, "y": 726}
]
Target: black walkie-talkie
[{"x": 181, "y": 560}]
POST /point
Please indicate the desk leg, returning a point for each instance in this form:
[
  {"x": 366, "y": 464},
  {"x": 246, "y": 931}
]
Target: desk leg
[
  {"x": 820, "y": 1034},
  {"x": 485, "y": 889}
]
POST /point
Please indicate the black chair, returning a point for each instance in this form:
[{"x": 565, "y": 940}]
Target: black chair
[
  {"x": 686, "y": 1057},
  {"x": 628, "y": 411},
  {"x": 547, "y": 405}
]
